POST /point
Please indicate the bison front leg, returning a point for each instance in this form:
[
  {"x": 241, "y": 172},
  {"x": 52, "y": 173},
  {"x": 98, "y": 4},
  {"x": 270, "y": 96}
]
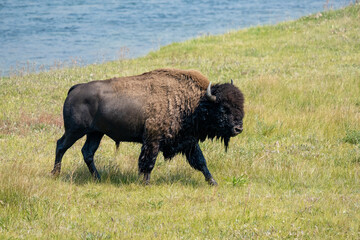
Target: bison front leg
[
  {"x": 147, "y": 159},
  {"x": 197, "y": 161}
]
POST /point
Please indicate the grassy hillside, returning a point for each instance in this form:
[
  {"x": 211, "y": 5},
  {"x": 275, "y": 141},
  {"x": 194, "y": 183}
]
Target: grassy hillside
[{"x": 293, "y": 173}]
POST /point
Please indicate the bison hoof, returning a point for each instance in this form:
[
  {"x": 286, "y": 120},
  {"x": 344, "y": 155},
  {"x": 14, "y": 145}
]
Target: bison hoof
[
  {"x": 146, "y": 180},
  {"x": 96, "y": 178},
  {"x": 212, "y": 182},
  {"x": 55, "y": 172}
]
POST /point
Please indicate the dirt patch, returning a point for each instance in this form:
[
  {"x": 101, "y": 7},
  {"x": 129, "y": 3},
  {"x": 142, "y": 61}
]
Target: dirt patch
[{"x": 28, "y": 122}]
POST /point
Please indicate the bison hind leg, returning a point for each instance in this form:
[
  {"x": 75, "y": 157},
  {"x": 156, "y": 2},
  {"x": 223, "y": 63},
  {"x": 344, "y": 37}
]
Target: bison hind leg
[
  {"x": 62, "y": 145},
  {"x": 91, "y": 145}
]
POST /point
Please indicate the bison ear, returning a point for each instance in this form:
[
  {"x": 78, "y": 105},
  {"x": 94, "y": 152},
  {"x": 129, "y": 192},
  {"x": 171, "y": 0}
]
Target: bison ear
[
  {"x": 209, "y": 96},
  {"x": 232, "y": 82}
]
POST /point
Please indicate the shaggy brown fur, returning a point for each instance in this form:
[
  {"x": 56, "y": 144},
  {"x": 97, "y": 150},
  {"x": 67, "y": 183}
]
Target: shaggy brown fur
[
  {"x": 170, "y": 95},
  {"x": 167, "y": 110}
]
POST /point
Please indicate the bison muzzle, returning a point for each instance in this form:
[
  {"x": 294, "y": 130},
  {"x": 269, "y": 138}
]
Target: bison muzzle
[{"x": 166, "y": 110}]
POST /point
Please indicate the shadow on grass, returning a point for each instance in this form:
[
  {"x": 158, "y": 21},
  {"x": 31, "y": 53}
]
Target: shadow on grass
[{"x": 117, "y": 177}]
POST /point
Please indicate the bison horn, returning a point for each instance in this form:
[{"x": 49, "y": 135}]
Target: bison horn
[
  {"x": 209, "y": 96},
  {"x": 232, "y": 82}
]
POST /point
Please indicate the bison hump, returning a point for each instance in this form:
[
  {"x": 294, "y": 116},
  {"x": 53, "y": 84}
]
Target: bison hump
[
  {"x": 197, "y": 77},
  {"x": 169, "y": 96}
]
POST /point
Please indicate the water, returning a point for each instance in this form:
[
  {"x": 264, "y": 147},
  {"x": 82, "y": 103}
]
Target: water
[{"x": 43, "y": 32}]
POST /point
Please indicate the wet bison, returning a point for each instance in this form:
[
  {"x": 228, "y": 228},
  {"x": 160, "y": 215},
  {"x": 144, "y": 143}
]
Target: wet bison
[{"x": 166, "y": 110}]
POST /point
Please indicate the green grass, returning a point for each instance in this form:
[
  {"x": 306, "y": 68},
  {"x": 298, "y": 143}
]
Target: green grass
[{"x": 293, "y": 173}]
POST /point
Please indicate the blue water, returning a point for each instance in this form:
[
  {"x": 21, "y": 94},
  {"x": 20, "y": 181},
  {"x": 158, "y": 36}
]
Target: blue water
[{"x": 42, "y": 32}]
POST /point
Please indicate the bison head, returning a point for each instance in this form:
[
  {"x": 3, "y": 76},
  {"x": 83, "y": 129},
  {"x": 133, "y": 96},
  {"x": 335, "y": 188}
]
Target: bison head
[{"x": 225, "y": 108}]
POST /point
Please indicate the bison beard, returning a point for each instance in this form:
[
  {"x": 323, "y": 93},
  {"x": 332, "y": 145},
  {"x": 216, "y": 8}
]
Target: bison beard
[{"x": 167, "y": 110}]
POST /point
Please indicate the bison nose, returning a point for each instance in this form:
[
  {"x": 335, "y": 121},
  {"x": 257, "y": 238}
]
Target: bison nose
[{"x": 237, "y": 130}]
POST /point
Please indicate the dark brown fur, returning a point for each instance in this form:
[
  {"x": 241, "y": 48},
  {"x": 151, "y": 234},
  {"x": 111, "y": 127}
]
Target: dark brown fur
[
  {"x": 167, "y": 110},
  {"x": 170, "y": 94}
]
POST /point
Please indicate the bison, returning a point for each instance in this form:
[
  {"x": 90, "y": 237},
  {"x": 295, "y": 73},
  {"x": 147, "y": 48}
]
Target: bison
[{"x": 166, "y": 110}]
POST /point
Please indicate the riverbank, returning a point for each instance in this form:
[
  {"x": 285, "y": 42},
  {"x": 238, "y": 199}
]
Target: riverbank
[
  {"x": 293, "y": 173},
  {"x": 36, "y": 35}
]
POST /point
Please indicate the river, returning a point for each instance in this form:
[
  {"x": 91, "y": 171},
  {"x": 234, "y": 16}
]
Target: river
[{"x": 39, "y": 32}]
